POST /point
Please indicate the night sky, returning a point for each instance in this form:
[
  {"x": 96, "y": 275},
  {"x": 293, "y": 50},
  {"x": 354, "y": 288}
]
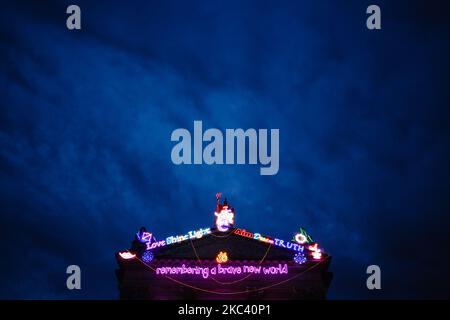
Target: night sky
[{"x": 86, "y": 118}]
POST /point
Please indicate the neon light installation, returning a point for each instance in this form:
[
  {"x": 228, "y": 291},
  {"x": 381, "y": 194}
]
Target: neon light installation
[
  {"x": 127, "y": 255},
  {"x": 299, "y": 258},
  {"x": 278, "y": 242},
  {"x": 222, "y": 257},
  {"x": 206, "y": 272},
  {"x": 197, "y": 234},
  {"x": 144, "y": 236},
  {"x": 317, "y": 255},
  {"x": 315, "y": 251},
  {"x": 224, "y": 215},
  {"x": 147, "y": 256},
  {"x": 302, "y": 237},
  {"x": 224, "y": 219}
]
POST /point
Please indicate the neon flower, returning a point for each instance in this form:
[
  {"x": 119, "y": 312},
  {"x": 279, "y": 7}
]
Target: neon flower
[
  {"x": 300, "y": 238},
  {"x": 222, "y": 257},
  {"x": 315, "y": 251},
  {"x": 127, "y": 255},
  {"x": 224, "y": 219}
]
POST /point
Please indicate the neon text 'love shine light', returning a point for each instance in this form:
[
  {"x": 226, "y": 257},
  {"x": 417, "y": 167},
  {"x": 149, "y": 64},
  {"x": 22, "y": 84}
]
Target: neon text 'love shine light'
[{"x": 197, "y": 234}]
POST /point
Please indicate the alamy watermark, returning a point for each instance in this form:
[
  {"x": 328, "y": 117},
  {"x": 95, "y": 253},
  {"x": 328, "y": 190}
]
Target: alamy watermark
[
  {"x": 373, "y": 282},
  {"x": 74, "y": 279},
  {"x": 73, "y": 21},
  {"x": 235, "y": 140},
  {"x": 373, "y": 22}
]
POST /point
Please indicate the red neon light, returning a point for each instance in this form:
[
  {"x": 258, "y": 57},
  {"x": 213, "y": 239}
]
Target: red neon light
[
  {"x": 316, "y": 252},
  {"x": 244, "y": 233}
]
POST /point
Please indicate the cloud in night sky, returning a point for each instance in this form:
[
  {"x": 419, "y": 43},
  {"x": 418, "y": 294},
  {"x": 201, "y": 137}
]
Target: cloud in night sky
[{"x": 86, "y": 118}]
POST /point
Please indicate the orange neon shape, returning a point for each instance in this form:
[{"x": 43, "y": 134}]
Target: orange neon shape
[{"x": 222, "y": 257}]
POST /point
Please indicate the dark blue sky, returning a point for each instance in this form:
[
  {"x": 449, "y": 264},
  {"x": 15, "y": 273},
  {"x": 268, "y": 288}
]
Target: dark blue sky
[{"x": 86, "y": 118}]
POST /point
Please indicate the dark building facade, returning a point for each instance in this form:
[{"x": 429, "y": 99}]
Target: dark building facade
[{"x": 223, "y": 262}]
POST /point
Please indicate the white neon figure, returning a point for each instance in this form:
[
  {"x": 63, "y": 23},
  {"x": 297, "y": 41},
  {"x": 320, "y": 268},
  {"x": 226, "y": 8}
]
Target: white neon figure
[
  {"x": 224, "y": 219},
  {"x": 127, "y": 255}
]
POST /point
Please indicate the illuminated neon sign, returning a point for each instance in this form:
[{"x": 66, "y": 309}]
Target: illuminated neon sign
[
  {"x": 222, "y": 257},
  {"x": 299, "y": 258},
  {"x": 197, "y": 234},
  {"x": 205, "y": 272},
  {"x": 224, "y": 219},
  {"x": 127, "y": 255},
  {"x": 144, "y": 236},
  {"x": 302, "y": 237},
  {"x": 315, "y": 251},
  {"x": 224, "y": 215},
  {"x": 278, "y": 242},
  {"x": 147, "y": 256}
]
